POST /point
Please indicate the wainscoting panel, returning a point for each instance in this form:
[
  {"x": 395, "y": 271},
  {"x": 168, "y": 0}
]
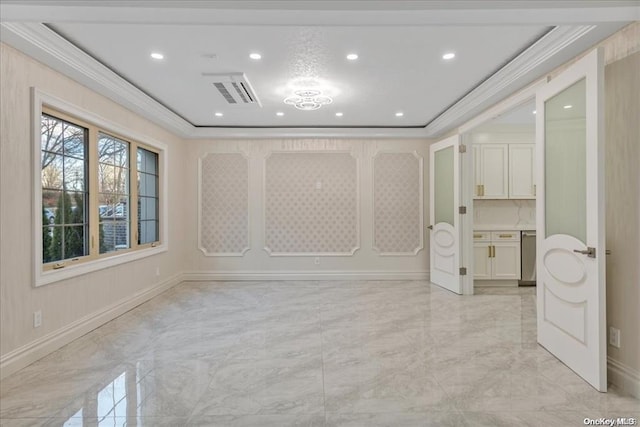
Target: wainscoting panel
[
  {"x": 398, "y": 203},
  {"x": 311, "y": 204},
  {"x": 224, "y": 204}
]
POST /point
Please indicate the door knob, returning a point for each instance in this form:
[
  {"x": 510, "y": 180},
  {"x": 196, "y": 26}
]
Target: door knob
[{"x": 590, "y": 252}]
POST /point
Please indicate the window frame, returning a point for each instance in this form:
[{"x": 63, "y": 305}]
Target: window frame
[
  {"x": 158, "y": 197},
  {"x": 53, "y": 271}
]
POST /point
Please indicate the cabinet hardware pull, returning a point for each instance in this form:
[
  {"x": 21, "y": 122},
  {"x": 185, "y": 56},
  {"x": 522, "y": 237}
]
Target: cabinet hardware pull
[
  {"x": 477, "y": 236},
  {"x": 489, "y": 247},
  {"x": 506, "y": 236},
  {"x": 493, "y": 251}
]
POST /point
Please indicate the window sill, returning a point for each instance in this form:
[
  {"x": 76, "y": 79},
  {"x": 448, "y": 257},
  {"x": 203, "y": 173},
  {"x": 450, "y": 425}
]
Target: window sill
[{"x": 46, "y": 277}]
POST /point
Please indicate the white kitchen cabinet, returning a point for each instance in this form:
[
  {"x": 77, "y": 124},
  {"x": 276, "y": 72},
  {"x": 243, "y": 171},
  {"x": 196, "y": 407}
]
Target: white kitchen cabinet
[
  {"x": 492, "y": 171},
  {"x": 504, "y": 171},
  {"x": 482, "y": 255},
  {"x": 522, "y": 171},
  {"x": 496, "y": 255}
]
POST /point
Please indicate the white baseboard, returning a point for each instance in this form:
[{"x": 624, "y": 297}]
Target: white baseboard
[
  {"x": 623, "y": 377},
  {"x": 35, "y": 350},
  {"x": 196, "y": 276}
]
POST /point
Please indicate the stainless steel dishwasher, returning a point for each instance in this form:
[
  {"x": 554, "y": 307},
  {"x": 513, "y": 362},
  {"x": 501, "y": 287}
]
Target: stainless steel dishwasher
[{"x": 528, "y": 258}]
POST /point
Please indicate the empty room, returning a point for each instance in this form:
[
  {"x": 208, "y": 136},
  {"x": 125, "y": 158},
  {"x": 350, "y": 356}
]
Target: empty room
[{"x": 319, "y": 213}]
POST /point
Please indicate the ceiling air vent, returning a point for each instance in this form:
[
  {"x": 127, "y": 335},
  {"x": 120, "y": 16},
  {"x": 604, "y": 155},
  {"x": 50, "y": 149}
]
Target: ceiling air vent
[{"x": 234, "y": 88}]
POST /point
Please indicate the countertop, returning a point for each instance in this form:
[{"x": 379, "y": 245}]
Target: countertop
[{"x": 489, "y": 227}]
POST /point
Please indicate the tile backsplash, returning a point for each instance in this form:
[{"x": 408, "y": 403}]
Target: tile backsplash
[{"x": 519, "y": 214}]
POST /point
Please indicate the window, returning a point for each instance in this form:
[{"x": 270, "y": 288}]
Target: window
[
  {"x": 86, "y": 194},
  {"x": 148, "y": 224},
  {"x": 64, "y": 190},
  {"x": 113, "y": 193}
]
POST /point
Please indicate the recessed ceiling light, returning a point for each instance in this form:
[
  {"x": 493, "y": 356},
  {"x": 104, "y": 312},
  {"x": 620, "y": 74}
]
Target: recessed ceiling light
[
  {"x": 352, "y": 56},
  {"x": 255, "y": 56},
  {"x": 339, "y": 114},
  {"x": 566, "y": 107},
  {"x": 534, "y": 111},
  {"x": 449, "y": 55},
  {"x": 219, "y": 114},
  {"x": 280, "y": 113},
  {"x": 399, "y": 114},
  {"x": 157, "y": 55}
]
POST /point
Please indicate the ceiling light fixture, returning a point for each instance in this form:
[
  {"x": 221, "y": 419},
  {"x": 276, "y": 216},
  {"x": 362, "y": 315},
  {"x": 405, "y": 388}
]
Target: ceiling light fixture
[
  {"x": 219, "y": 114},
  {"x": 308, "y": 99},
  {"x": 157, "y": 55},
  {"x": 280, "y": 113},
  {"x": 449, "y": 55},
  {"x": 399, "y": 114},
  {"x": 339, "y": 114},
  {"x": 352, "y": 56},
  {"x": 255, "y": 56},
  {"x": 534, "y": 111},
  {"x": 566, "y": 107}
]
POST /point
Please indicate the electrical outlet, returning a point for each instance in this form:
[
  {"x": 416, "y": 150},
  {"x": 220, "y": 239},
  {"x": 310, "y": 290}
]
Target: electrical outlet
[
  {"x": 318, "y": 185},
  {"x": 316, "y": 260},
  {"x": 37, "y": 319},
  {"x": 614, "y": 336},
  {"x": 157, "y": 271}
]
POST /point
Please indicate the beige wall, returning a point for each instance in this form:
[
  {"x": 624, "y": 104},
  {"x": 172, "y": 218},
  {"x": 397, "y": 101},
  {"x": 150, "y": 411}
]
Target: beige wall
[
  {"x": 622, "y": 135},
  {"x": 365, "y": 259},
  {"x": 63, "y": 303}
]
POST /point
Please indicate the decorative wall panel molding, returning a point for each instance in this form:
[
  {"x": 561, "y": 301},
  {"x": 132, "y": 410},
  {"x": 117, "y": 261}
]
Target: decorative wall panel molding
[
  {"x": 311, "y": 204},
  {"x": 223, "y": 226},
  {"x": 398, "y": 203}
]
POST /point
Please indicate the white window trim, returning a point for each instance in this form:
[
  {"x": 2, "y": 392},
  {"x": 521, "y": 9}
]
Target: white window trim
[{"x": 41, "y": 277}]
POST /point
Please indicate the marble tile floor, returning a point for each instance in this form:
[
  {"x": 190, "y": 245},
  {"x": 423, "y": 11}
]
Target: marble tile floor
[{"x": 316, "y": 353}]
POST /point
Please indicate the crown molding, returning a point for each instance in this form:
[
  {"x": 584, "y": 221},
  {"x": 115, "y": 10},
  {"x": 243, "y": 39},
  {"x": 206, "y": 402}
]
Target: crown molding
[
  {"x": 535, "y": 56},
  {"x": 45, "y": 45}
]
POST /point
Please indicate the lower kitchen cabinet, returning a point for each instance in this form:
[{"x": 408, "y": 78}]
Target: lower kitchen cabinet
[{"x": 496, "y": 255}]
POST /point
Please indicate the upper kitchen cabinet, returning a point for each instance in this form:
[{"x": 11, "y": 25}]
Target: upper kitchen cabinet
[
  {"x": 491, "y": 171},
  {"x": 504, "y": 171},
  {"x": 522, "y": 172}
]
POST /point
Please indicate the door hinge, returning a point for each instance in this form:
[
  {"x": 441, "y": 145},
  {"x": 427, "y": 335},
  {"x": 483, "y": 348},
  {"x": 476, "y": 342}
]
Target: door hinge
[
  {"x": 462, "y": 210},
  {"x": 463, "y": 271},
  {"x": 462, "y": 148}
]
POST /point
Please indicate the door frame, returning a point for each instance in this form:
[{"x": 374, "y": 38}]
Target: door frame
[{"x": 466, "y": 239}]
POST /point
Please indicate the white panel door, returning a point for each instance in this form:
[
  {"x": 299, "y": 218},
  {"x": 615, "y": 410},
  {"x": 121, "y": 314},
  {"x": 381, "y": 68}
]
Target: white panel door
[
  {"x": 570, "y": 219},
  {"x": 444, "y": 201}
]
